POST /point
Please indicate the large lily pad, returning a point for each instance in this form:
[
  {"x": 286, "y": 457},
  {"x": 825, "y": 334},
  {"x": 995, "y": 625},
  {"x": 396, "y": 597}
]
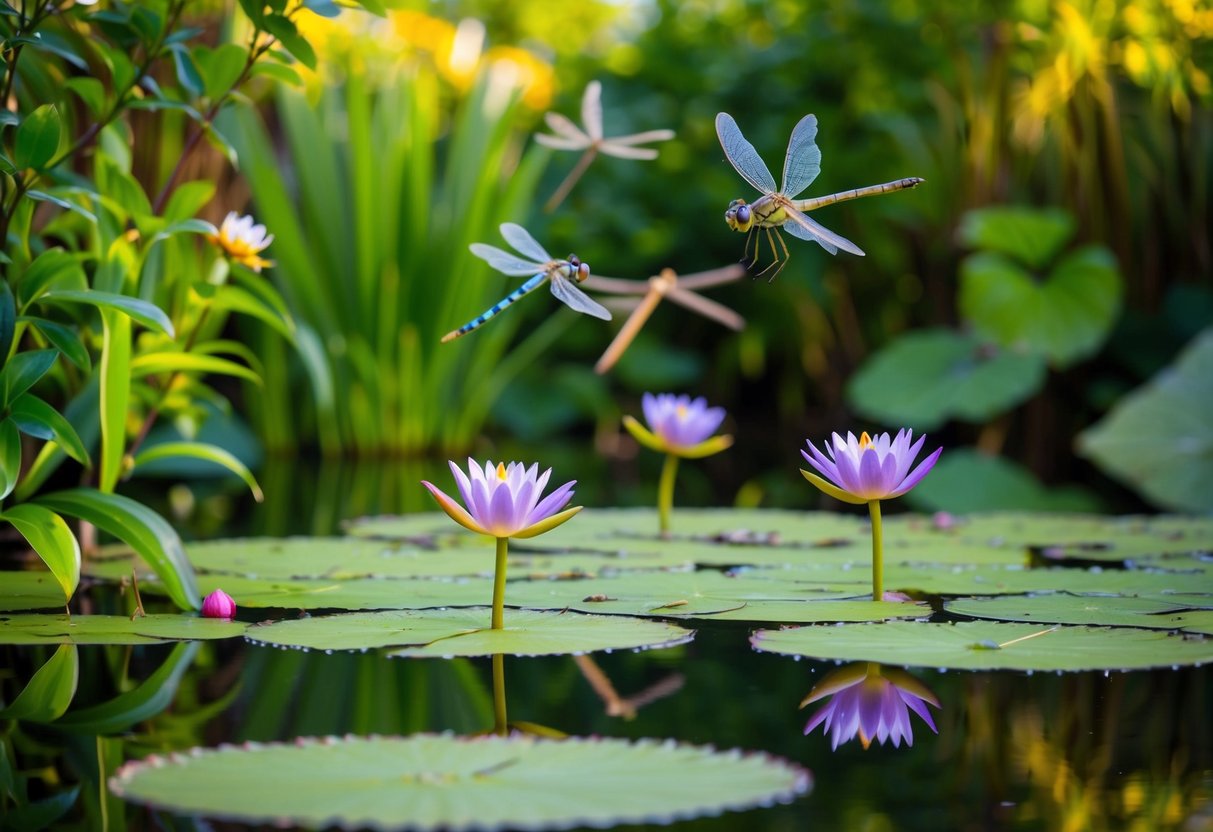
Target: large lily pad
[
  {"x": 976, "y": 646},
  {"x": 40, "y": 628},
  {"x": 1060, "y": 608},
  {"x": 29, "y": 591},
  {"x": 466, "y": 632},
  {"x": 1158, "y": 440},
  {"x": 429, "y": 782}
]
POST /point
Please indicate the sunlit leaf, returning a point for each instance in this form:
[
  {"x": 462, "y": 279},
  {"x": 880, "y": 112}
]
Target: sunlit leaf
[
  {"x": 428, "y": 782},
  {"x": 37, "y": 418},
  {"x": 32, "y": 590},
  {"x": 51, "y": 538},
  {"x": 202, "y": 451},
  {"x": 37, "y": 138},
  {"x": 152, "y": 696},
  {"x": 49, "y": 692},
  {"x": 148, "y": 314}
]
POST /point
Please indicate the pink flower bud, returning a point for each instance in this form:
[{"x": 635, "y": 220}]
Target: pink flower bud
[{"x": 218, "y": 605}]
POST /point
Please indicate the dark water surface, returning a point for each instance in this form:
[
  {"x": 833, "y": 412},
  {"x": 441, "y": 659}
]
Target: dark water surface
[{"x": 1084, "y": 751}]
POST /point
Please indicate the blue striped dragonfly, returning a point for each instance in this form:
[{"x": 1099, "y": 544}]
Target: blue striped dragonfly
[
  {"x": 563, "y": 275},
  {"x": 777, "y": 209}
]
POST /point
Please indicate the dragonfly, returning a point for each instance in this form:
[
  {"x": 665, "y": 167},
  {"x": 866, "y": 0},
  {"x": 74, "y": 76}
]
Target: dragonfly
[
  {"x": 562, "y": 275},
  {"x": 780, "y": 208}
]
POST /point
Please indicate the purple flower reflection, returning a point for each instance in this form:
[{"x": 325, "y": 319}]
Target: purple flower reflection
[{"x": 871, "y": 702}]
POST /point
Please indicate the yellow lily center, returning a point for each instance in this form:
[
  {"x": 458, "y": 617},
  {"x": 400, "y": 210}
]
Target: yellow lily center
[
  {"x": 865, "y": 441},
  {"x": 681, "y": 410},
  {"x": 501, "y": 469}
]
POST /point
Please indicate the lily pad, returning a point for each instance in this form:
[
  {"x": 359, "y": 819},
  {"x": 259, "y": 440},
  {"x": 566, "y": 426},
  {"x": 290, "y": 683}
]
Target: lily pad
[
  {"x": 1158, "y": 440},
  {"x": 990, "y": 645},
  {"x": 426, "y": 782},
  {"x": 29, "y": 591},
  {"x": 1062, "y": 608},
  {"x": 40, "y": 628},
  {"x": 466, "y": 632}
]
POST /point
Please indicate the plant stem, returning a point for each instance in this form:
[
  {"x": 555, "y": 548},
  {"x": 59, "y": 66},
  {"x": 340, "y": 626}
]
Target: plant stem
[
  {"x": 665, "y": 493},
  {"x": 499, "y": 584},
  {"x": 569, "y": 181},
  {"x": 877, "y": 551},
  {"x": 500, "y": 724}
]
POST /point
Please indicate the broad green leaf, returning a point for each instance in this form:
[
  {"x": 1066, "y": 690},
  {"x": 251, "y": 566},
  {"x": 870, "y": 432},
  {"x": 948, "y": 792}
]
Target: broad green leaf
[
  {"x": 51, "y": 538},
  {"x": 65, "y": 339},
  {"x": 54, "y": 198},
  {"x": 237, "y": 299},
  {"x": 1158, "y": 440},
  {"x": 140, "y": 528},
  {"x": 988, "y": 645},
  {"x": 152, "y": 696},
  {"x": 116, "y": 371},
  {"x": 432, "y": 782},
  {"x": 141, "y": 311},
  {"x": 37, "y": 418},
  {"x": 965, "y": 480},
  {"x": 122, "y": 188},
  {"x": 1032, "y": 236},
  {"x": 154, "y": 628},
  {"x": 923, "y": 379},
  {"x": 22, "y": 372},
  {"x": 202, "y": 451},
  {"x": 46, "y": 697},
  {"x": 223, "y": 67},
  {"x": 29, "y": 590},
  {"x": 188, "y": 75},
  {"x": 8, "y": 321},
  {"x": 91, "y": 92},
  {"x": 277, "y": 71},
  {"x": 1059, "y": 608},
  {"x": 1064, "y": 317},
  {"x": 188, "y": 362},
  {"x": 37, "y": 138},
  {"x": 10, "y": 457},
  {"x": 466, "y": 632},
  {"x": 284, "y": 30},
  {"x": 188, "y": 199}
]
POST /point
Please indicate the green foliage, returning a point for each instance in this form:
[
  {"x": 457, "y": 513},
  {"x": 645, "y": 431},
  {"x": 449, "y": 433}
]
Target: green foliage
[
  {"x": 967, "y": 480},
  {"x": 1159, "y": 438}
]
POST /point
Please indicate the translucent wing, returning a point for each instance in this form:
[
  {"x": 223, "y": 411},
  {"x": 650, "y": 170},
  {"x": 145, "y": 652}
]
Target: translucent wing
[
  {"x": 576, "y": 299},
  {"x": 803, "y": 161},
  {"x": 742, "y": 155},
  {"x": 523, "y": 242},
  {"x": 505, "y": 262},
  {"x": 591, "y": 109},
  {"x": 799, "y": 225}
]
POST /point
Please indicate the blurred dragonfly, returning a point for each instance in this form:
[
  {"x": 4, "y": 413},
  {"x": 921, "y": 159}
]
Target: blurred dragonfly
[
  {"x": 780, "y": 208},
  {"x": 670, "y": 285},
  {"x": 563, "y": 275},
  {"x": 592, "y": 141}
]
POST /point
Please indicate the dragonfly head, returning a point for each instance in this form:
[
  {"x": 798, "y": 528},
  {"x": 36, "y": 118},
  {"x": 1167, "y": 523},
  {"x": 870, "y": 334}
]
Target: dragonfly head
[
  {"x": 578, "y": 271},
  {"x": 738, "y": 215}
]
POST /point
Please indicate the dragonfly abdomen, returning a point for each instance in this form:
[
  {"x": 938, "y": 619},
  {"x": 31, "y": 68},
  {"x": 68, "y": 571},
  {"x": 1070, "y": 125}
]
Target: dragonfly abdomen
[
  {"x": 525, "y": 289},
  {"x": 870, "y": 190}
]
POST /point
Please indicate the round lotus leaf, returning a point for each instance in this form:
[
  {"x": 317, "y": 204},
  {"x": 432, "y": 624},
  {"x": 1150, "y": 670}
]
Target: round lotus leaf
[
  {"x": 30, "y": 590},
  {"x": 427, "y": 782},
  {"x": 1063, "y": 608},
  {"x": 928, "y": 377},
  {"x": 466, "y": 632},
  {"x": 813, "y": 612},
  {"x": 969, "y": 481},
  {"x": 990, "y": 645},
  {"x": 1031, "y": 235},
  {"x": 36, "y": 628}
]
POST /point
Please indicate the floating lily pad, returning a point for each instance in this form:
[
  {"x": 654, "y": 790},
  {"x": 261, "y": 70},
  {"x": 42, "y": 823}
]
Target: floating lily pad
[
  {"x": 39, "y": 628},
  {"x": 975, "y": 645},
  {"x": 466, "y": 632},
  {"x": 429, "y": 782},
  {"x": 1060, "y": 608},
  {"x": 29, "y": 591}
]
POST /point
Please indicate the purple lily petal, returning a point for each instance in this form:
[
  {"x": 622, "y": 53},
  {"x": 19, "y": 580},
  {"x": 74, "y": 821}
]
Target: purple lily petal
[
  {"x": 551, "y": 504},
  {"x": 921, "y": 471},
  {"x": 876, "y": 708},
  {"x": 871, "y": 468},
  {"x": 500, "y": 499}
]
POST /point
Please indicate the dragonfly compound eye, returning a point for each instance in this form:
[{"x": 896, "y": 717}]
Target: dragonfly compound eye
[
  {"x": 583, "y": 271},
  {"x": 743, "y": 214}
]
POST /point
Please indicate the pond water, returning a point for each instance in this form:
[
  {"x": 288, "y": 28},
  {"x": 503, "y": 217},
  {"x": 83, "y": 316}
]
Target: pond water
[{"x": 1087, "y": 750}]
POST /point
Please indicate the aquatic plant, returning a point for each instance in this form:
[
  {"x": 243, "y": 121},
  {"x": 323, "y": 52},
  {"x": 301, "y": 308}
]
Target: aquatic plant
[
  {"x": 868, "y": 470},
  {"x": 870, "y": 701},
  {"x": 218, "y": 605},
  {"x": 680, "y": 427},
  {"x": 503, "y": 501}
]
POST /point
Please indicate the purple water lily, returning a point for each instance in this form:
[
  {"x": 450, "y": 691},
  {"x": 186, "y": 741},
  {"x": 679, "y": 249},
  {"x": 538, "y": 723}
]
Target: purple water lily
[
  {"x": 505, "y": 500},
  {"x": 871, "y": 702},
  {"x": 218, "y": 605},
  {"x": 679, "y": 425},
  {"x": 868, "y": 468}
]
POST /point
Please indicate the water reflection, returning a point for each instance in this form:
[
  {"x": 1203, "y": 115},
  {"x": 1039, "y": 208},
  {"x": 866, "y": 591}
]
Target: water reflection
[{"x": 872, "y": 702}]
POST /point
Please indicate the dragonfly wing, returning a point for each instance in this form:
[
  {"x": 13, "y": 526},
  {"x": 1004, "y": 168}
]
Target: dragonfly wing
[
  {"x": 742, "y": 155},
  {"x": 591, "y": 110},
  {"x": 800, "y": 225},
  {"x": 505, "y": 262},
  {"x": 803, "y": 160},
  {"x": 576, "y": 299},
  {"x": 523, "y": 242}
]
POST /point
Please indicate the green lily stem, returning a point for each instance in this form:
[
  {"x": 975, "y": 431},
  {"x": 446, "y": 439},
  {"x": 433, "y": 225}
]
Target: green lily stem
[
  {"x": 500, "y": 724},
  {"x": 499, "y": 584},
  {"x": 877, "y": 551},
  {"x": 665, "y": 493}
]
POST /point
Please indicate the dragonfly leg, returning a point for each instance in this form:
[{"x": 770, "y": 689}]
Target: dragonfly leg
[
  {"x": 774, "y": 256},
  {"x": 786, "y": 256},
  {"x": 748, "y": 261}
]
